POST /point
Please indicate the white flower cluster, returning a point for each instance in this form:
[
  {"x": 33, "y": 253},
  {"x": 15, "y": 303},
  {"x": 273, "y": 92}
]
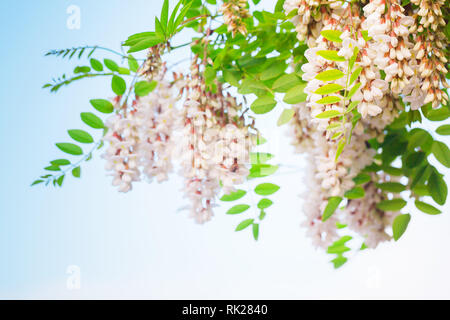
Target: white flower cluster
[
  {"x": 390, "y": 66},
  {"x": 140, "y": 137},
  {"x": 429, "y": 53},
  {"x": 303, "y": 19},
  {"x": 234, "y": 11},
  {"x": 363, "y": 216},
  {"x": 208, "y": 137},
  {"x": 122, "y": 154},
  {"x": 157, "y": 119},
  {"x": 214, "y": 146}
]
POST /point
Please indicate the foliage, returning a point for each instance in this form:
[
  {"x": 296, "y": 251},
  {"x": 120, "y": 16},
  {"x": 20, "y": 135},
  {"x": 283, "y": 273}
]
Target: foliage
[{"x": 262, "y": 55}]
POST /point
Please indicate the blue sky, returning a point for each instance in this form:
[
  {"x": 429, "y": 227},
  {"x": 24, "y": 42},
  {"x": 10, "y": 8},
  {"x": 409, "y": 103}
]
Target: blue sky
[{"x": 140, "y": 245}]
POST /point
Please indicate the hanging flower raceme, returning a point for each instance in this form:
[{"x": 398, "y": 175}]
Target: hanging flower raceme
[
  {"x": 214, "y": 145},
  {"x": 153, "y": 65},
  {"x": 302, "y": 20},
  {"x": 383, "y": 67},
  {"x": 234, "y": 11},
  {"x": 158, "y": 116},
  {"x": 430, "y": 55},
  {"x": 122, "y": 154},
  {"x": 364, "y": 217},
  {"x": 140, "y": 136},
  {"x": 354, "y": 74}
]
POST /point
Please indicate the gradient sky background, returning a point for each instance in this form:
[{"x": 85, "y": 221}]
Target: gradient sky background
[{"x": 140, "y": 245}]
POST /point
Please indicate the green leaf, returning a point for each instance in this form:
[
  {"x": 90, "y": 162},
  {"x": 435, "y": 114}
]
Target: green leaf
[
  {"x": 239, "y": 208},
  {"x": 421, "y": 190},
  {"x": 285, "y": 116},
  {"x": 361, "y": 178},
  {"x": 262, "y": 215},
  {"x": 236, "y": 195},
  {"x": 263, "y": 105},
  {"x": 353, "y": 90},
  {"x": 420, "y": 138},
  {"x": 244, "y": 224},
  {"x": 440, "y": 114},
  {"x": 286, "y": 82},
  {"x": 351, "y": 106},
  {"x": 255, "y": 231},
  {"x": 391, "y": 205},
  {"x": 330, "y": 55},
  {"x": 102, "y": 105},
  {"x": 332, "y": 35},
  {"x": 60, "y": 180},
  {"x": 52, "y": 168},
  {"x": 143, "y": 88},
  {"x": 334, "y": 125},
  {"x": 337, "y": 135},
  {"x": 36, "y": 182},
  {"x": 80, "y": 136},
  {"x": 415, "y": 159},
  {"x": 123, "y": 70},
  {"x": 165, "y": 13},
  {"x": 118, "y": 85},
  {"x": 171, "y": 25},
  {"x": 437, "y": 188},
  {"x": 340, "y": 225},
  {"x": 330, "y": 75},
  {"x": 232, "y": 77},
  {"x": 427, "y": 208},
  {"x": 111, "y": 65},
  {"x": 351, "y": 62},
  {"x": 264, "y": 203},
  {"x": 355, "y": 75},
  {"x": 60, "y": 162},
  {"x": 70, "y": 148},
  {"x": 252, "y": 86},
  {"x": 400, "y": 224},
  {"x": 76, "y": 172},
  {"x": 266, "y": 189},
  {"x": 295, "y": 95},
  {"x": 421, "y": 175},
  {"x": 393, "y": 171},
  {"x": 260, "y": 157},
  {"x": 260, "y": 140},
  {"x": 92, "y": 120},
  {"x": 96, "y": 65},
  {"x": 82, "y": 69},
  {"x": 262, "y": 170},
  {"x": 329, "y": 88},
  {"x": 209, "y": 75},
  {"x": 365, "y": 35},
  {"x": 441, "y": 152},
  {"x": 332, "y": 205},
  {"x": 132, "y": 63},
  {"x": 391, "y": 187},
  {"x": 183, "y": 12},
  {"x": 339, "y": 149},
  {"x": 328, "y": 114},
  {"x": 329, "y": 100},
  {"x": 342, "y": 241},
  {"x": 340, "y": 249},
  {"x": 273, "y": 71},
  {"x": 355, "y": 193},
  {"x": 339, "y": 261},
  {"x": 159, "y": 29},
  {"x": 145, "y": 43},
  {"x": 443, "y": 130}
]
